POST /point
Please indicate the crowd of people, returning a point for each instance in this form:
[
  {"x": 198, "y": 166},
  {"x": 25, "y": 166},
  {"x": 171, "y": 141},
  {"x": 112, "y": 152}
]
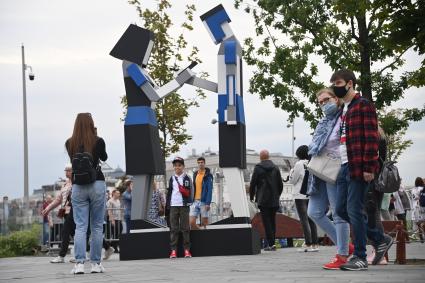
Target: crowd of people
[
  {"x": 348, "y": 138},
  {"x": 334, "y": 181}
]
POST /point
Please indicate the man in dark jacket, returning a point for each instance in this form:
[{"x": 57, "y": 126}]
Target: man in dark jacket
[{"x": 266, "y": 185}]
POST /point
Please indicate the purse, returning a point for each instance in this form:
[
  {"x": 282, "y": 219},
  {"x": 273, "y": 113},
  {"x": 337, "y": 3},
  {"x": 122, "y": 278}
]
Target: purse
[
  {"x": 304, "y": 184},
  {"x": 182, "y": 189},
  {"x": 325, "y": 167},
  {"x": 61, "y": 213}
]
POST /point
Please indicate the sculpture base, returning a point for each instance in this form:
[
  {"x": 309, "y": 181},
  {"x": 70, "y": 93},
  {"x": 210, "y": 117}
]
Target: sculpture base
[{"x": 216, "y": 240}]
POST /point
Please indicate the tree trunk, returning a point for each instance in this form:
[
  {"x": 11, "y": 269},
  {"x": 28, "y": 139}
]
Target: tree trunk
[{"x": 365, "y": 75}]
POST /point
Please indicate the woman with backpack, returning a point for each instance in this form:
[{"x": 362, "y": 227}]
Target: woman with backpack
[
  {"x": 418, "y": 215},
  {"x": 301, "y": 201},
  {"x": 85, "y": 149}
]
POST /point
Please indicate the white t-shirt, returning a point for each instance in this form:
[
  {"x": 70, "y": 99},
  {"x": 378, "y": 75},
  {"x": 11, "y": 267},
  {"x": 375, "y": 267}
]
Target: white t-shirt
[
  {"x": 176, "y": 196},
  {"x": 114, "y": 205},
  {"x": 343, "y": 135},
  {"x": 296, "y": 178}
]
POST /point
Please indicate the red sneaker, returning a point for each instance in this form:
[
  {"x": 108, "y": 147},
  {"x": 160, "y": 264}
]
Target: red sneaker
[
  {"x": 173, "y": 254},
  {"x": 335, "y": 263},
  {"x": 350, "y": 249},
  {"x": 187, "y": 253}
]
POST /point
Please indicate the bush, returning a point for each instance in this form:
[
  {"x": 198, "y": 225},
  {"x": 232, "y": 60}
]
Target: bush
[{"x": 20, "y": 243}]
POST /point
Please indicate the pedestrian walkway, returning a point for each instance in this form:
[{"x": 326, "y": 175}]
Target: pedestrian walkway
[{"x": 284, "y": 265}]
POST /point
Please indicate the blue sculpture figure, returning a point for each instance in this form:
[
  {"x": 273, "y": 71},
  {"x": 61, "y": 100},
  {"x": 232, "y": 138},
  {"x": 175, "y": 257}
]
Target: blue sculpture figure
[{"x": 144, "y": 156}]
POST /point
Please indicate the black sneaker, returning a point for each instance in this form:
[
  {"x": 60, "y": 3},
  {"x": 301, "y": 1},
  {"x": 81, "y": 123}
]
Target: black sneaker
[
  {"x": 355, "y": 264},
  {"x": 381, "y": 249}
]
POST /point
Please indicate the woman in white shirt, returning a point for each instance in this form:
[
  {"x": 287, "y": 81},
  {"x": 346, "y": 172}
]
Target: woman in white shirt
[
  {"x": 418, "y": 215},
  {"x": 301, "y": 201}
]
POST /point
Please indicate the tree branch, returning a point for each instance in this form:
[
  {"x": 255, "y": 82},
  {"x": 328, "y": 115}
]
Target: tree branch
[
  {"x": 394, "y": 62},
  {"x": 353, "y": 31}
]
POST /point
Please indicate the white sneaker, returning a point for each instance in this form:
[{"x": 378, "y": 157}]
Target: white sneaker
[
  {"x": 78, "y": 268},
  {"x": 97, "y": 268},
  {"x": 313, "y": 249},
  {"x": 72, "y": 260},
  {"x": 108, "y": 253},
  {"x": 57, "y": 259}
]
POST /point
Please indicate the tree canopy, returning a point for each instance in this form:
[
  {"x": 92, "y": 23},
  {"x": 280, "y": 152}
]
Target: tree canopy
[{"x": 368, "y": 37}]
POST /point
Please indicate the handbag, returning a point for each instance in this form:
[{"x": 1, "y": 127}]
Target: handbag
[
  {"x": 304, "y": 184},
  {"x": 182, "y": 189},
  {"x": 325, "y": 167},
  {"x": 61, "y": 212}
]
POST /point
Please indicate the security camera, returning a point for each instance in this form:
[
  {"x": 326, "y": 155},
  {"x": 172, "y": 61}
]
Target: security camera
[{"x": 31, "y": 76}]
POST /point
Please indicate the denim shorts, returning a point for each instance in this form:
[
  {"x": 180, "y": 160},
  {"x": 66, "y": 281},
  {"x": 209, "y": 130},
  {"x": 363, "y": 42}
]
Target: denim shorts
[{"x": 197, "y": 208}]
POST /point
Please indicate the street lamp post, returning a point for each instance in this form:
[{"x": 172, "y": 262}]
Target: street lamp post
[
  {"x": 24, "y": 92},
  {"x": 292, "y": 125}
]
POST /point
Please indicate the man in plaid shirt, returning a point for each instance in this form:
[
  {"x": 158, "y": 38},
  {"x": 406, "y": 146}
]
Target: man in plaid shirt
[{"x": 359, "y": 159}]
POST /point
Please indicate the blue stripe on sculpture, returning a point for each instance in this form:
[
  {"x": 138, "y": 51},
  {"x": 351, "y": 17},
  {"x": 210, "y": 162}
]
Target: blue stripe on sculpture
[
  {"x": 140, "y": 115},
  {"x": 214, "y": 23},
  {"x": 240, "y": 113},
  {"x": 134, "y": 71},
  {"x": 230, "y": 52},
  {"x": 222, "y": 106}
]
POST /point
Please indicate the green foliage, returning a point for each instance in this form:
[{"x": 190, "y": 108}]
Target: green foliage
[
  {"x": 20, "y": 243},
  {"x": 368, "y": 37},
  {"x": 168, "y": 53}
]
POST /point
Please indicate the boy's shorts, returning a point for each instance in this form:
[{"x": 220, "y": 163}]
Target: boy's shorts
[{"x": 197, "y": 208}]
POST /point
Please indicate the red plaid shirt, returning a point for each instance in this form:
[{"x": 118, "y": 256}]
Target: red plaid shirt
[{"x": 362, "y": 137}]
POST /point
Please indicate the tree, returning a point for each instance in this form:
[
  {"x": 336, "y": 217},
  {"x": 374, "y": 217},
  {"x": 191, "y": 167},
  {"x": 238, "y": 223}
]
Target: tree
[
  {"x": 361, "y": 35},
  {"x": 167, "y": 54}
]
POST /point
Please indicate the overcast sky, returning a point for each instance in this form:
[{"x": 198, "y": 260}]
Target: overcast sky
[{"x": 68, "y": 42}]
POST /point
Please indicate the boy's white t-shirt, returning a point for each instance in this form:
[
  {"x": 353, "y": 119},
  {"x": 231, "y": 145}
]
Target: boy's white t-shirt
[
  {"x": 343, "y": 135},
  {"x": 176, "y": 196}
]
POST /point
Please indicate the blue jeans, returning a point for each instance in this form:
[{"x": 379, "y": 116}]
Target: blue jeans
[
  {"x": 351, "y": 207},
  {"x": 46, "y": 230},
  {"x": 338, "y": 230},
  {"x": 88, "y": 200},
  {"x": 127, "y": 219}
]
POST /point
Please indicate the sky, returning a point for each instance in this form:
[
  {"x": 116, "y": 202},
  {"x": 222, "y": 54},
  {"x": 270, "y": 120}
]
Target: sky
[{"x": 67, "y": 43}]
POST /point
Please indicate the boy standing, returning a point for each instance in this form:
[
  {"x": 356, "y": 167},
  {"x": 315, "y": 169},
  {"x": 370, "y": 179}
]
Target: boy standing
[
  {"x": 179, "y": 198},
  {"x": 203, "y": 184}
]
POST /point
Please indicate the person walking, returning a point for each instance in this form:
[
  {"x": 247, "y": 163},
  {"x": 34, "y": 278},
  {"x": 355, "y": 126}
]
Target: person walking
[
  {"x": 323, "y": 195},
  {"x": 266, "y": 187},
  {"x": 63, "y": 199},
  {"x": 85, "y": 149},
  {"x": 126, "y": 200},
  {"x": 301, "y": 201},
  {"x": 418, "y": 215},
  {"x": 359, "y": 157}
]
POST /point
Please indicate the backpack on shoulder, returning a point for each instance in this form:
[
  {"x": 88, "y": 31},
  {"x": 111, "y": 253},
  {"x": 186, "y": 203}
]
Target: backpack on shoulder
[
  {"x": 389, "y": 179},
  {"x": 422, "y": 198},
  {"x": 83, "y": 169}
]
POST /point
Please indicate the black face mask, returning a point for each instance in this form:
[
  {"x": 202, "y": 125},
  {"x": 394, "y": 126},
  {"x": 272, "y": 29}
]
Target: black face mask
[{"x": 340, "y": 91}]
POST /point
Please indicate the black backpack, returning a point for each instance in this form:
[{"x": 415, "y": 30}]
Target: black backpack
[
  {"x": 83, "y": 168},
  {"x": 388, "y": 180},
  {"x": 422, "y": 198}
]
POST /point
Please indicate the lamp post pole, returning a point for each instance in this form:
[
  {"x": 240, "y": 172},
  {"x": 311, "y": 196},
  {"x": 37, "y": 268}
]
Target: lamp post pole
[{"x": 26, "y": 190}]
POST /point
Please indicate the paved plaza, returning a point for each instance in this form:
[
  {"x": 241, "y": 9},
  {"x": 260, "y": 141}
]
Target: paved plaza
[{"x": 284, "y": 265}]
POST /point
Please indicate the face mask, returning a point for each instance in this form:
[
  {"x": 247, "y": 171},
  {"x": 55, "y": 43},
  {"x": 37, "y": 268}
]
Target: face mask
[
  {"x": 340, "y": 91},
  {"x": 329, "y": 108}
]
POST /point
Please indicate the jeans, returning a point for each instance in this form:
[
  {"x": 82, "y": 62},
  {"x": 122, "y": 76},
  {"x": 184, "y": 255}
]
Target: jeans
[
  {"x": 179, "y": 221},
  {"x": 88, "y": 201},
  {"x": 46, "y": 229},
  {"x": 309, "y": 227},
  {"x": 338, "y": 230},
  {"x": 127, "y": 219},
  {"x": 68, "y": 231},
  {"x": 373, "y": 204},
  {"x": 350, "y": 206},
  {"x": 268, "y": 215}
]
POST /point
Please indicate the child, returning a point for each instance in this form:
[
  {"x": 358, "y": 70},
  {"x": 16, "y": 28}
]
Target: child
[{"x": 179, "y": 198}]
